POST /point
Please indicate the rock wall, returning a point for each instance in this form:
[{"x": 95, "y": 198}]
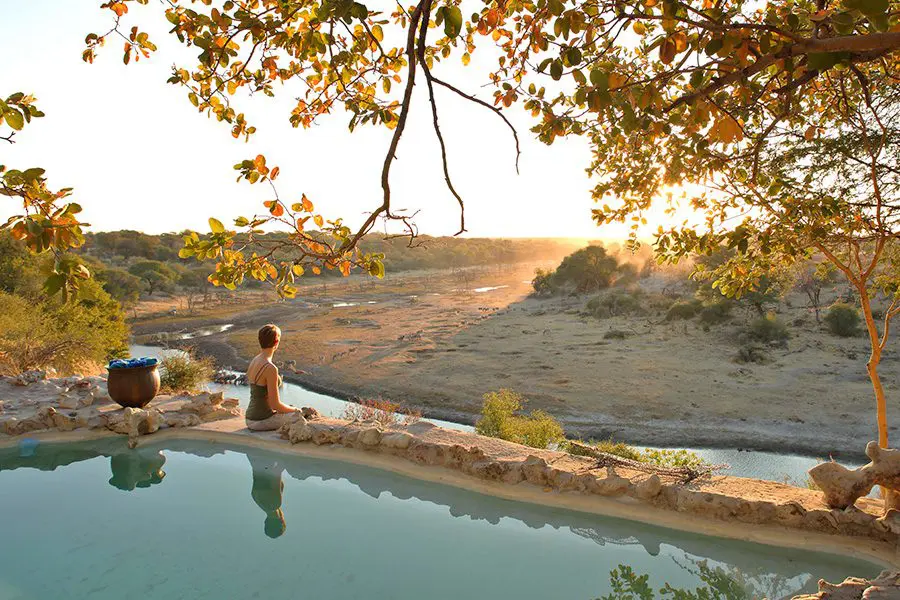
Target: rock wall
[
  {"x": 32, "y": 402},
  {"x": 719, "y": 498},
  {"x": 884, "y": 587}
]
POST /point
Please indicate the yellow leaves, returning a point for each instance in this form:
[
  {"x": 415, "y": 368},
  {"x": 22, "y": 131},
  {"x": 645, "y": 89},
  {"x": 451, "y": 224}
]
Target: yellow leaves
[
  {"x": 274, "y": 207},
  {"x": 466, "y": 58},
  {"x": 316, "y": 270},
  {"x": 259, "y": 163},
  {"x": 378, "y": 33},
  {"x": 639, "y": 28},
  {"x": 616, "y": 80},
  {"x": 307, "y": 205},
  {"x": 319, "y": 221},
  {"x": 726, "y": 130},
  {"x": 671, "y": 46},
  {"x": 120, "y": 8}
]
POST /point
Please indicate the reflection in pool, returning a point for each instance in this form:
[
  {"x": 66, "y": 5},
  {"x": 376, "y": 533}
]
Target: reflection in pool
[{"x": 324, "y": 529}]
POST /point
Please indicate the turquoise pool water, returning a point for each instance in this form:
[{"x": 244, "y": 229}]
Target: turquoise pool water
[{"x": 197, "y": 520}]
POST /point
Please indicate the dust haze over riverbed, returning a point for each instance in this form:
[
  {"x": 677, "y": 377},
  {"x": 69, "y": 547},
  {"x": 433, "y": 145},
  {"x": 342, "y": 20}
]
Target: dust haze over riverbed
[{"x": 438, "y": 340}]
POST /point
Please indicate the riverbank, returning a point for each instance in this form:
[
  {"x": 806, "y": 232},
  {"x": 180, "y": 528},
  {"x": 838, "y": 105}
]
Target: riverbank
[{"x": 429, "y": 344}]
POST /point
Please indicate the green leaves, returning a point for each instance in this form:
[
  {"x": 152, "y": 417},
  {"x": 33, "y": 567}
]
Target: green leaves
[
  {"x": 14, "y": 119},
  {"x": 452, "y": 19},
  {"x": 825, "y": 60},
  {"x": 17, "y": 110}
]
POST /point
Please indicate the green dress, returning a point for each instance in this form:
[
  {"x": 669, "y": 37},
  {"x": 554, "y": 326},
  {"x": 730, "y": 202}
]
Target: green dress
[{"x": 258, "y": 409}]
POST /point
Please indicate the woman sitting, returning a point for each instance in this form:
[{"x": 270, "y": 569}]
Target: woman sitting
[{"x": 265, "y": 411}]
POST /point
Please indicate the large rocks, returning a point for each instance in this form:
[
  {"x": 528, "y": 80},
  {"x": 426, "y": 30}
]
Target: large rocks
[
  {"x": 140, "y": 421},
  {"x": 884, "y": 587},
  {"x": 32, "y": 402},
  {"x": 29, "y": 377},
  {"x": 842, "y": 487}
]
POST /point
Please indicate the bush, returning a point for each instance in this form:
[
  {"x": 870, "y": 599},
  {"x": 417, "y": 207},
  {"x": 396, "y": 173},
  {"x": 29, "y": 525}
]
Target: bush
[
  {"x": 543, "y": 283},
  {"x": 752, "y": 353},
  {"x": 609, "y": 446},
  {"x": 184, "y": 372},
  {"x": 615, "y": 334},
  {"x": 499, "y": 420},
  {"x": 683, "y": 309},
  {"x": 71, "y": 337},
  {"x": 383, "y": 412},
  {"x": 717, "y": 312},
  {"x": 663, "y": 457},
  {"x": 767, "y": 329},
  {"x": 842, "y": 320},
  {"x": 617, "y": 303}
]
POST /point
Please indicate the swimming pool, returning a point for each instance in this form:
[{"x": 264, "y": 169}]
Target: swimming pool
[{"x": 201, "y": 520}]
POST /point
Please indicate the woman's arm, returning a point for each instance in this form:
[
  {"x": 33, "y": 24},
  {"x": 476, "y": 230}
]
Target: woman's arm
[{"x": 272, "y": 393}]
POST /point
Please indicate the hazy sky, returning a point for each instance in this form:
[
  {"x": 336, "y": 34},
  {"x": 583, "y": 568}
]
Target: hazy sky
[{"x": 140, "y": 156}]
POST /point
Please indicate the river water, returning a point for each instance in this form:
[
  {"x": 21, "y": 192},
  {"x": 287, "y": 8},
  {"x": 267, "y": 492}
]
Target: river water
[{"x": 772, "y": 466}]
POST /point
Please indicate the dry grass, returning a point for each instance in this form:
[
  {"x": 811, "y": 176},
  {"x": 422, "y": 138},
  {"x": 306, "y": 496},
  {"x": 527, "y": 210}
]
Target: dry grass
[{"x": 383, "y": 412}]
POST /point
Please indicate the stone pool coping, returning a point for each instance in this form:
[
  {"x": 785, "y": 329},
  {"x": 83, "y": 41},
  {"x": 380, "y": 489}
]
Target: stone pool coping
[{"x": 719, "y": 506}]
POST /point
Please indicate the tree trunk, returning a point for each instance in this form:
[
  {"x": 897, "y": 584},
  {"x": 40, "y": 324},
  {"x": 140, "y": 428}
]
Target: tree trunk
[
  {"x": 872, "y": 367},
  {"x": 891, "y": 497}
]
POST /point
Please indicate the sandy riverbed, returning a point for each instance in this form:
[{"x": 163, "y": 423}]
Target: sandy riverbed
[{"x": 431, "y": 341}]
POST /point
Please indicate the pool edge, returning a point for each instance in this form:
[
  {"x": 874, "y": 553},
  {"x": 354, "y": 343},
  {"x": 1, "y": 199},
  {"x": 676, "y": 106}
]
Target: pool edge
[{"x": 881, "y": 553}]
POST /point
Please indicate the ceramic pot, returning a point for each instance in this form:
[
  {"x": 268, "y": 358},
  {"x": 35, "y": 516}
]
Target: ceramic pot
[{"x": 134, "y": 386}]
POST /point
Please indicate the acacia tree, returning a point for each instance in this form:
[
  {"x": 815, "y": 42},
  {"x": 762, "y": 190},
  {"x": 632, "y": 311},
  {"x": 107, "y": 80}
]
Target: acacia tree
[
  {"x": 48, "y": 222},
  {"x": 658, "y": 85},
  {"x": 669, "y": 92}
]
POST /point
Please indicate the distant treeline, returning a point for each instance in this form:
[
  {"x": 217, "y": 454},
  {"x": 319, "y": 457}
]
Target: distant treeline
[{"x": 426, "y": 253}]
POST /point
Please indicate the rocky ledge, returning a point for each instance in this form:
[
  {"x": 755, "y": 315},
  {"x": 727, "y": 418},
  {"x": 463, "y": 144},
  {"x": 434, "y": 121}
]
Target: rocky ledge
[
  {"x": 884, "y": 587},
  {"x": 32, "y": 402}
]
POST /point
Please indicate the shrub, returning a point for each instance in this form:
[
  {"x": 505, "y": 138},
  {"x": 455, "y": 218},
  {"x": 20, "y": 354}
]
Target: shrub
[
  {"x": 717, "y": 312},
  {"x": 70, "y": 337},
  {"x": 615, "y": 334},
  {"x": 543, "y": 283},
  {"x": 842, "y": 320},
  {"x": 663, "y": 457},
  {"x": 609, "y": 446},
  {"x": 615, "y": 303},
  {"x": 767, "y": 329},
  {"x": 184, "y": 372},
  {"x": 499, "y": 420},
  {"x": 383, "y": 412},
  {"x": 751, "y": 353},
  {"x": 683, "y": 309}
]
